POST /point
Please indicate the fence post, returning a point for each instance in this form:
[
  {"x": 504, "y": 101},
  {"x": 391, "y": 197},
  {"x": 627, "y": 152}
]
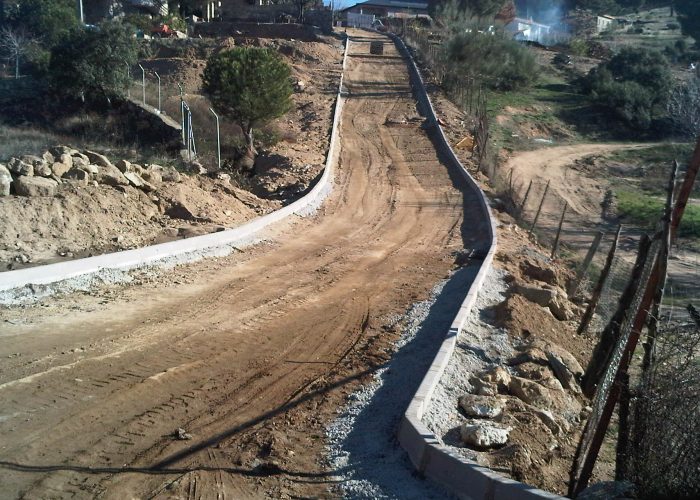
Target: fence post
[
  {"x": 539, "y": 209},
  {"x": 588, "y": 315},
  {"x": 573, "y": 288},
  {"x": 555, "y": 247},
  {"x": 218, "y": 139},
  {"x": 527, "y": 195},
  {"x": 159, "y": 104},
  {"x": 128, "y": 77},
  {"x": 182, "y": 112},
  {"x": 143, "y": 83}
]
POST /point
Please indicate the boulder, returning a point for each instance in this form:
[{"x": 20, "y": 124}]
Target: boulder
[
  {"x": 530, "y": 355},
  {"x": 152, "y": 176},
  {"x": 77, "y": 176},
  {"x": 560, "y": 309},
  {"x": 35, "y": 186},
  {"x": 33, "y": 160},
  {"x": 91, "y": 169},
  {"x": 98, "y": 159},
  {"x": 547, "y": 418},
  {"x": 124, "y": 166},
  {"x": 57, "y": 151},
  {"x": 19, "y": 167},
  {"x": 80, "y": 161},
  {"x": 59, "y": 168},
  {"x": 567, "y": 377},
  {"x": 170, "y": 174},
  {"x": 484, "y": 434},
  {"x": 541, "y": 374},
  {"x": 48, "y": 158},
  {"x": 538, "y": 295},
  {"x": 135, "y": 167},
  {"x": 483, "y": 388},
  {"x": 66, "y": 159},
  {"x": 530, "y": 392},
  {"x": 497, "y": 375},
  {"x": 138, "y": 182},
  {"x": 5, "y": 180},
  {"x": 481, "y": 406},
  {"x": 43, "y": 170},
  {"x": 111, "y": 176},
  {"x": 538, "y": 272}
]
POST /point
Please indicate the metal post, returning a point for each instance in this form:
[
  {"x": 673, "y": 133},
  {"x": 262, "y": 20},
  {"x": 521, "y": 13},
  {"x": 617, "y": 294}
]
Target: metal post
[
  {"x": 182, "y": 111},
  {"x": 158, "y": 77},
  {"x": 128, "y": 76},
  {"x": 218, "y": 139},
  {"x": 539, "y": 209},
  {"x": 143, "y": 83},
  {"x": 80, "y": 12}
]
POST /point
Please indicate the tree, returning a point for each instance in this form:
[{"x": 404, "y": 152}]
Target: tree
[
  {"x": 15, "y": 43},
  {"x": 47, "y": 20},
  {"x": 249, "y": 85},
  {"x": 689, "y": 17},
  {"x": 634, "y": 84},
  {"x": 91, "y": 63}
]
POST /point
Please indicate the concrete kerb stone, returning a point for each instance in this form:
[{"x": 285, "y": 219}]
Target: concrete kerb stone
[
  {"x": 27, "y": 284},
  {"x": 458, "y": 475}
]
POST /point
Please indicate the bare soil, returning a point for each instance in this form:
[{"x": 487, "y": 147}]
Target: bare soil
[{"x": 252, "y": 354}]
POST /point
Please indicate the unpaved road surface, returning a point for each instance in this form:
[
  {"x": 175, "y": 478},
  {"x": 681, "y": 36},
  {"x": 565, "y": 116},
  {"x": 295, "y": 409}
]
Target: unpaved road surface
[{"x": 251, "y": 355}]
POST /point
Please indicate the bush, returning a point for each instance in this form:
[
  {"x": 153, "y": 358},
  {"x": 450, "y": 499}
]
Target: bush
[
  {"x": 498, "y": 62},
  {"x": 634, "y": 85},
  {"x": 91, "y": 63}
]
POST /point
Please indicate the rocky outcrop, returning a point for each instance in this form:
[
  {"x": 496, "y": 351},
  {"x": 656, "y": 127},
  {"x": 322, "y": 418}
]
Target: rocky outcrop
[
  {"x": 5, "y": 180},
  {"x": 35, "y": 186}
]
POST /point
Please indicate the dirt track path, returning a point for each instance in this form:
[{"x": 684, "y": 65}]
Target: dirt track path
[{"x": 250, "y": 354}]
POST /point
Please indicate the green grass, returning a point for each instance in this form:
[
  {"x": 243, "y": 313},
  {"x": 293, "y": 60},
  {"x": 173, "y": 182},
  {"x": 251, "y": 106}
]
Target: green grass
[
  {"x": 662, "y": 154},
  {"x": 646, "y": 211}
]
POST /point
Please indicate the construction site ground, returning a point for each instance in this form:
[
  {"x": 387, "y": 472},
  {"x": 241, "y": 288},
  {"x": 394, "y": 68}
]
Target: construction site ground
[{"x": 251, "y": 355}]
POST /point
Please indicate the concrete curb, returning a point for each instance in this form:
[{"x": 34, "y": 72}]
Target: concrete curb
[
  {"x": 35, "y": 282},
  {"x": 433, "y": 460}
]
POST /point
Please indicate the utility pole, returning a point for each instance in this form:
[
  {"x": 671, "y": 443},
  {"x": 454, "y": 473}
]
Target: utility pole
[{"x": 81, "y": 14}]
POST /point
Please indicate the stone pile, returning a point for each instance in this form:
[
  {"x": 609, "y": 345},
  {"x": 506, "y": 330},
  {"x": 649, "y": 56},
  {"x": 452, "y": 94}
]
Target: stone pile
[{"x": 31, "y": 175}]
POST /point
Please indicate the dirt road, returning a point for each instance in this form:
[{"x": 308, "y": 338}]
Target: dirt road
[{"x": 251, "y": 355}]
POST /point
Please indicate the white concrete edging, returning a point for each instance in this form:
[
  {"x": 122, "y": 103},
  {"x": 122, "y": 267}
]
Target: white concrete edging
[
  {"x": 23, "y": 284},
  {"x": 465, "y": 479}
]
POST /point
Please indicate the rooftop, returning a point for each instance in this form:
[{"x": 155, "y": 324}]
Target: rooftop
[{"x": 397, "y": 4}]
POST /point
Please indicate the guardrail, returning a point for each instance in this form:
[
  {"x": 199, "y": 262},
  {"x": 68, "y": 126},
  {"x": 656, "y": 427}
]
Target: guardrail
[
  {"x": 432, "y": 459},
  {"x": 24, "y": 284}
]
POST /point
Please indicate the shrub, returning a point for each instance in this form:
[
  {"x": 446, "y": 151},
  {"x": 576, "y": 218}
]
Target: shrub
[
  {"x": 634, "y": 85},
  {"x": 498, "y": 62}
]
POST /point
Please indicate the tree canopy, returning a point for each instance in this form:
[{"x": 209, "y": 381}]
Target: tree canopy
[
  {"x": 249, "y": 85},
  {"x": 633, "y": 84},
  {"x": 92, "y": 63},
  {"x": 689, "y": 16},
  {"x": 46, "y": 20}
]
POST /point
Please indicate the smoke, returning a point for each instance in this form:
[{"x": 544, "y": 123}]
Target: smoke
[{"x": 545, "y": 12}]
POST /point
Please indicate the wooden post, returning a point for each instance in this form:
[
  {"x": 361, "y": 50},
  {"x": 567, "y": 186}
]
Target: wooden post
[
  {"x": 623, "y": 430},
  {"x": 573, "y": 287},
  {"x": 588, "y": 315},
  {"x": 527, "y": 195},
  {"x": 539, "y": 209},
  {"x": 555, "y": 247}
]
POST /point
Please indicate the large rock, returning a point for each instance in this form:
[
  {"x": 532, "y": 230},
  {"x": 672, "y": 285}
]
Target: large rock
[
  {"x": 43, "y": 170},
  {"x": 59, "y": 168},
  {"x": 80, "y": 161},
  {"x": 77, "y": 176},
  {"x": 481, "y": 406},
  {"x": 530, "y": 392},
  {"x": 111, "y": 176},
  {"x": 91, "y": 169},
  {"x": 137, "y": 181},
  {"x": 124, "y": 166},
  {"x": 98, "y": 159},
  {"x": 5, "y": 180},
  {"x": 35, "y": 186},
  {"x": 538, "y": 272},
  {"x": 33, "y": 160},
  {"x": 152, "y": 177},
  {"x": 19, "y": 167},
  {"x": 566, "y": 369},
  {"x": 48, "y": 158},
  {"x": 538, "y": 295},
  {"x": 497, "y": 375},
  {"x": 482, "y": 387},
  {"x": 170, "y": 174},
  {"x": 560, "y": 309},
  {"x": 57, "y": 151},
  {"x": 66, "y": 159},
  {"x": 484, "y": 434}
]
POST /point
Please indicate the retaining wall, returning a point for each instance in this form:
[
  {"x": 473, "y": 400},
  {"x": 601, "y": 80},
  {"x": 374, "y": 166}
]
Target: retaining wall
[
  {"x": 433, "y": 460},
  {"x": 17, "y": 286}
]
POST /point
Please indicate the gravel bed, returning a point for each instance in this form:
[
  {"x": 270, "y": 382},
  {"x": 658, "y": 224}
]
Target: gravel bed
[
  {"x": 363, "y": 448},
  {"x": 479, "y": 345}
]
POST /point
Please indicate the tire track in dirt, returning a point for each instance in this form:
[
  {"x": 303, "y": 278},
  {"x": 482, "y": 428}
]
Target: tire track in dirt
[{"x": 246, "y": 350}]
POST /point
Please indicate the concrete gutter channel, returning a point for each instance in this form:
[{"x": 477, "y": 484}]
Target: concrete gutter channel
[
  {"x": 431, "y": 459},
  {"x": 27, "y": 284}
]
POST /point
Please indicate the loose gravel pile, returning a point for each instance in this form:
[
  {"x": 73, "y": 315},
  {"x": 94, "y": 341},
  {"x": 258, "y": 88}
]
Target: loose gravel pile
[{"x": 363, "y": 446}]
